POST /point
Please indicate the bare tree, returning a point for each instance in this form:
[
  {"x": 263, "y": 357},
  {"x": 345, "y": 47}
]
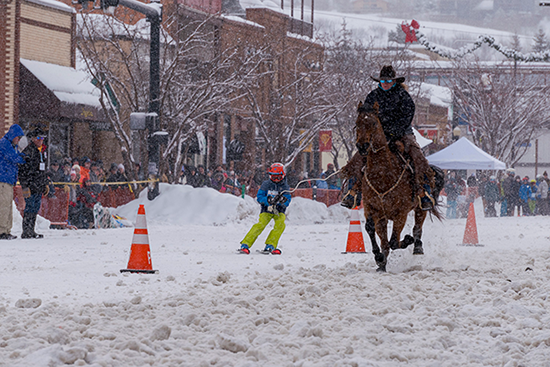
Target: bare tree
[
  {"x": 350, "y": 63},
  {"x": 196, "y": 79},
  {"x": 503, "y": 115},
  {"x": 298, "y": 104}
]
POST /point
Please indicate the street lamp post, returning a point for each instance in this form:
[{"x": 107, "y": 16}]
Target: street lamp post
[{"x": 153, "y": 12}]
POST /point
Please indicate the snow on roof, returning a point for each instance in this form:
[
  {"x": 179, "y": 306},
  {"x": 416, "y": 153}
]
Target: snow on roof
[
  {"x": 68, "y": 84},
  {"x": 108, "y": 26},
  {"x": 270, "y": 4},
  {"x": 485, "y": 5},
  {"x": 241, "y": 20},
  {"x": 439, "y": 96},
  {"x": 54, "y": 4}
]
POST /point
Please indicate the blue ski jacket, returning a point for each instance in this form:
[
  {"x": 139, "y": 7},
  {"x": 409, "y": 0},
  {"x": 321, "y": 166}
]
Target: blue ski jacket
[
  {"x": 270, "y": 188},
  {"x": 10, "y": 158}
]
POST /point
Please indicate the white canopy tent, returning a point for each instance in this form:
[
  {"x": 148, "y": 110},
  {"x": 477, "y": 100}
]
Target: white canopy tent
[{"x": 463, "y": 154}]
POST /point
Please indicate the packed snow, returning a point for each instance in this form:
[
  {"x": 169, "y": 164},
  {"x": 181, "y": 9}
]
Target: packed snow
[{"x": 63, "y": 299}]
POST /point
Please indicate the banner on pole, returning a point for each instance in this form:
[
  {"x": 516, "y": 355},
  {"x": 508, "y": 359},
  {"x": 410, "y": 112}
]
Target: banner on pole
[{"x": 325, "y": 140}]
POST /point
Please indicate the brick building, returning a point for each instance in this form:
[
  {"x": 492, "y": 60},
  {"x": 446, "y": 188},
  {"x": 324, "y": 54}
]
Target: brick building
[{"x": 39, "y": 85}]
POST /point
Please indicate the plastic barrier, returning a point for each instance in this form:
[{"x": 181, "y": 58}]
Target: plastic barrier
[
  {"x": 115, "y": 197},
  {"x": 325, "y": 196},
  {"x": 55, "y": 209}
]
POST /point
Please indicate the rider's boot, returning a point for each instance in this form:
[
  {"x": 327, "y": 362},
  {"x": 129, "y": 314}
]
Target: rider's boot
[
  {"x": 352, "y": 193},
  {"x": 427, "y": 202}
]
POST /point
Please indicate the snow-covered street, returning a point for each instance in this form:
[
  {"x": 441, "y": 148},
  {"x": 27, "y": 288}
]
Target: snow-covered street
[{"x": 313, "y": 306}]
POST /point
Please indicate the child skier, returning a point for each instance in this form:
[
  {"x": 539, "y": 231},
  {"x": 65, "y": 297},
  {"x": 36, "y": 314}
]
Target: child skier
[{"x": 274, "y": 197}]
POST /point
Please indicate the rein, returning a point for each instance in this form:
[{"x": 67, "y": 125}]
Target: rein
[
  {"x": 381, "y": 195},
  {"x": 308, "y": 180}
]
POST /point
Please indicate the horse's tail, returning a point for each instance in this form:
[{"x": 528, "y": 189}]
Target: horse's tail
[{"x": 439, "y": 179}]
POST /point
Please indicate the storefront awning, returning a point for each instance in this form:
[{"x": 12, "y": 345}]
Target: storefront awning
[{"x": 51, "y": 91}]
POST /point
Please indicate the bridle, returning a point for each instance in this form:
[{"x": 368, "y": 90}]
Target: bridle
[{"x": 365, "y": 153}]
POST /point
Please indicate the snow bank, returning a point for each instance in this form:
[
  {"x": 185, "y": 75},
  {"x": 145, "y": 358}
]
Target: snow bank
[{"x": 183, "y": 204}]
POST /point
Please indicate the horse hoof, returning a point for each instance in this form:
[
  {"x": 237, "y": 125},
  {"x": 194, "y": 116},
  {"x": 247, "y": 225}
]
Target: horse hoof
[
  {"x": 379, "y": 258},
  {"x": 408, "y": 240},
  {"x": 381, "y": 269},
  {"x": 418, "y": 250}
]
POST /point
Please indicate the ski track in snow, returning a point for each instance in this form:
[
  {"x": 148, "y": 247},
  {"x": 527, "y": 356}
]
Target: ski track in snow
[{"x": 312, "y": 306}]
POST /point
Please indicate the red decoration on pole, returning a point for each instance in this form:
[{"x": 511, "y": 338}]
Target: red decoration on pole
[{"x": 409, "y": 30}]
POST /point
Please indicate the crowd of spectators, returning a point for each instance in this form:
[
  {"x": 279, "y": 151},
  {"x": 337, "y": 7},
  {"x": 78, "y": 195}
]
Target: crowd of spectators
[
  {"x": 524, "y": 196},
  {"x": 85, "y": 180},
  {"x": 229, "y": 181}
]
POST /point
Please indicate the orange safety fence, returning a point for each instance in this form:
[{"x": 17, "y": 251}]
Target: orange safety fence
[
  {"x": 114, "y": 197},
  {"x": 325, "y": 196},
  {"x": 56, "y": 208}
]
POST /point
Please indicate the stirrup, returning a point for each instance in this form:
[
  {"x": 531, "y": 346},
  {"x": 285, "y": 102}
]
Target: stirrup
[
  {"x": 349, "y": 200},
  {"x": 426, "y": 202}
]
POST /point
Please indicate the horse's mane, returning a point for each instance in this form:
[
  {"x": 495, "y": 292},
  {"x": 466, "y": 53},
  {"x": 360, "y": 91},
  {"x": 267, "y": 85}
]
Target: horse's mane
[{"x": 367, "y": 109}]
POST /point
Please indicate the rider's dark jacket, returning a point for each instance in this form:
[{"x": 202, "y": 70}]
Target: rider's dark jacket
[{"x": 396, "y": 110}]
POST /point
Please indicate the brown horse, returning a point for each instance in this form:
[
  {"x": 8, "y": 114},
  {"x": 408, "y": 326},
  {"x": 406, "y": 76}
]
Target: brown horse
[{"x": 387, "y": 187}]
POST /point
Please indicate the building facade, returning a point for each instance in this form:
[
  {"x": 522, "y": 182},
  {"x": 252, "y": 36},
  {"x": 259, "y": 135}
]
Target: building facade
[{"x": 40, "y": 86}]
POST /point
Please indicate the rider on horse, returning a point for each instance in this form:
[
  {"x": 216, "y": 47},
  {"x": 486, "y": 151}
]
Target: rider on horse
[{"x": 396, "y": 112}]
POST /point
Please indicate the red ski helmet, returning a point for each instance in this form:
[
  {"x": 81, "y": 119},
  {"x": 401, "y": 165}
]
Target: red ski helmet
[{"x": 276, "y": 172}]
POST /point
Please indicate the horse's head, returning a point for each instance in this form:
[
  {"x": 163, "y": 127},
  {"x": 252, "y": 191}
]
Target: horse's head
[{"x": 367, "y": 126}]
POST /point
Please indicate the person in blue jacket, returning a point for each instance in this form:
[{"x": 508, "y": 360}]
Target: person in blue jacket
[
  {"x": 10, "y": 158},
  {"x": 274, "y": 198}
]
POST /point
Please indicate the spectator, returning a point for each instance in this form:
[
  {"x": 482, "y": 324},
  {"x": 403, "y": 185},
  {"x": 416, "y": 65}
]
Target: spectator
[
  {"x": 111, "y": 177},
  {"x": 74, "y": 210},
  {"x": 332, "y": 180},
  {"x": 10, "y": 158},
  {"x": 322, "y": 184},
  {"x": 481, "y": 183},
  {"x": 192, "y": 176},
  {"x": 524, "y": 196},
  {"x": 87, "y": 198},
  {"x": 95, "y": 178},
  {"x": 85, "y": 166},
  {"x": 303, "y": 177},
  {"x": 492, "y": 195},
  {"x": 533, "y": 197},
  {"x": 121, "y": 173},
  {"x": 55, "y": 173},
  {"x": 232, "y": 183},
  {"x": 452, "y": 189},
  {"x": 218, "y": 180},
  {"x": 202, "y": 179},
  {"x": 34, "y": 181},
  {"x": 542, "y": 195},
  {"x": 509, "y": 187},
  {"x": 66, "y": 171}
]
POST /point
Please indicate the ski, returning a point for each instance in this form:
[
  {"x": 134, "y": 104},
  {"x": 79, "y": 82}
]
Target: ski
[
  {"x": 240, "y": 251},
  {"x": 264, "y": 252}
]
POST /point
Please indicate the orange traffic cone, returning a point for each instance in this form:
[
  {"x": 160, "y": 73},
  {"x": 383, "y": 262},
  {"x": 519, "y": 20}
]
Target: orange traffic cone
[
  {"x": 470, "y": 233},
  {"x": 355, "y": 235},
  {"x": 140, "y": 253}
]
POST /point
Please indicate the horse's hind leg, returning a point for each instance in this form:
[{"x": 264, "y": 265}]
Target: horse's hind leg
[
  {"x": 398, "y": 226},
  {"x": 419, "y": 217}
]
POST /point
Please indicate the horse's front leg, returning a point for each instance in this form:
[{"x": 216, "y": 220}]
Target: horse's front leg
[
  {"x": 371, "y": 231},
  {"x": 381, "y": 226},
  {"x": 419, "y": 217}
]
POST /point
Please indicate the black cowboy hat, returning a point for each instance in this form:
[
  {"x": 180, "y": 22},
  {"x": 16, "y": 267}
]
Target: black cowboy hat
[
  {"x": 388, "y": 73},
  {"x": 36, "y": 132}
]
